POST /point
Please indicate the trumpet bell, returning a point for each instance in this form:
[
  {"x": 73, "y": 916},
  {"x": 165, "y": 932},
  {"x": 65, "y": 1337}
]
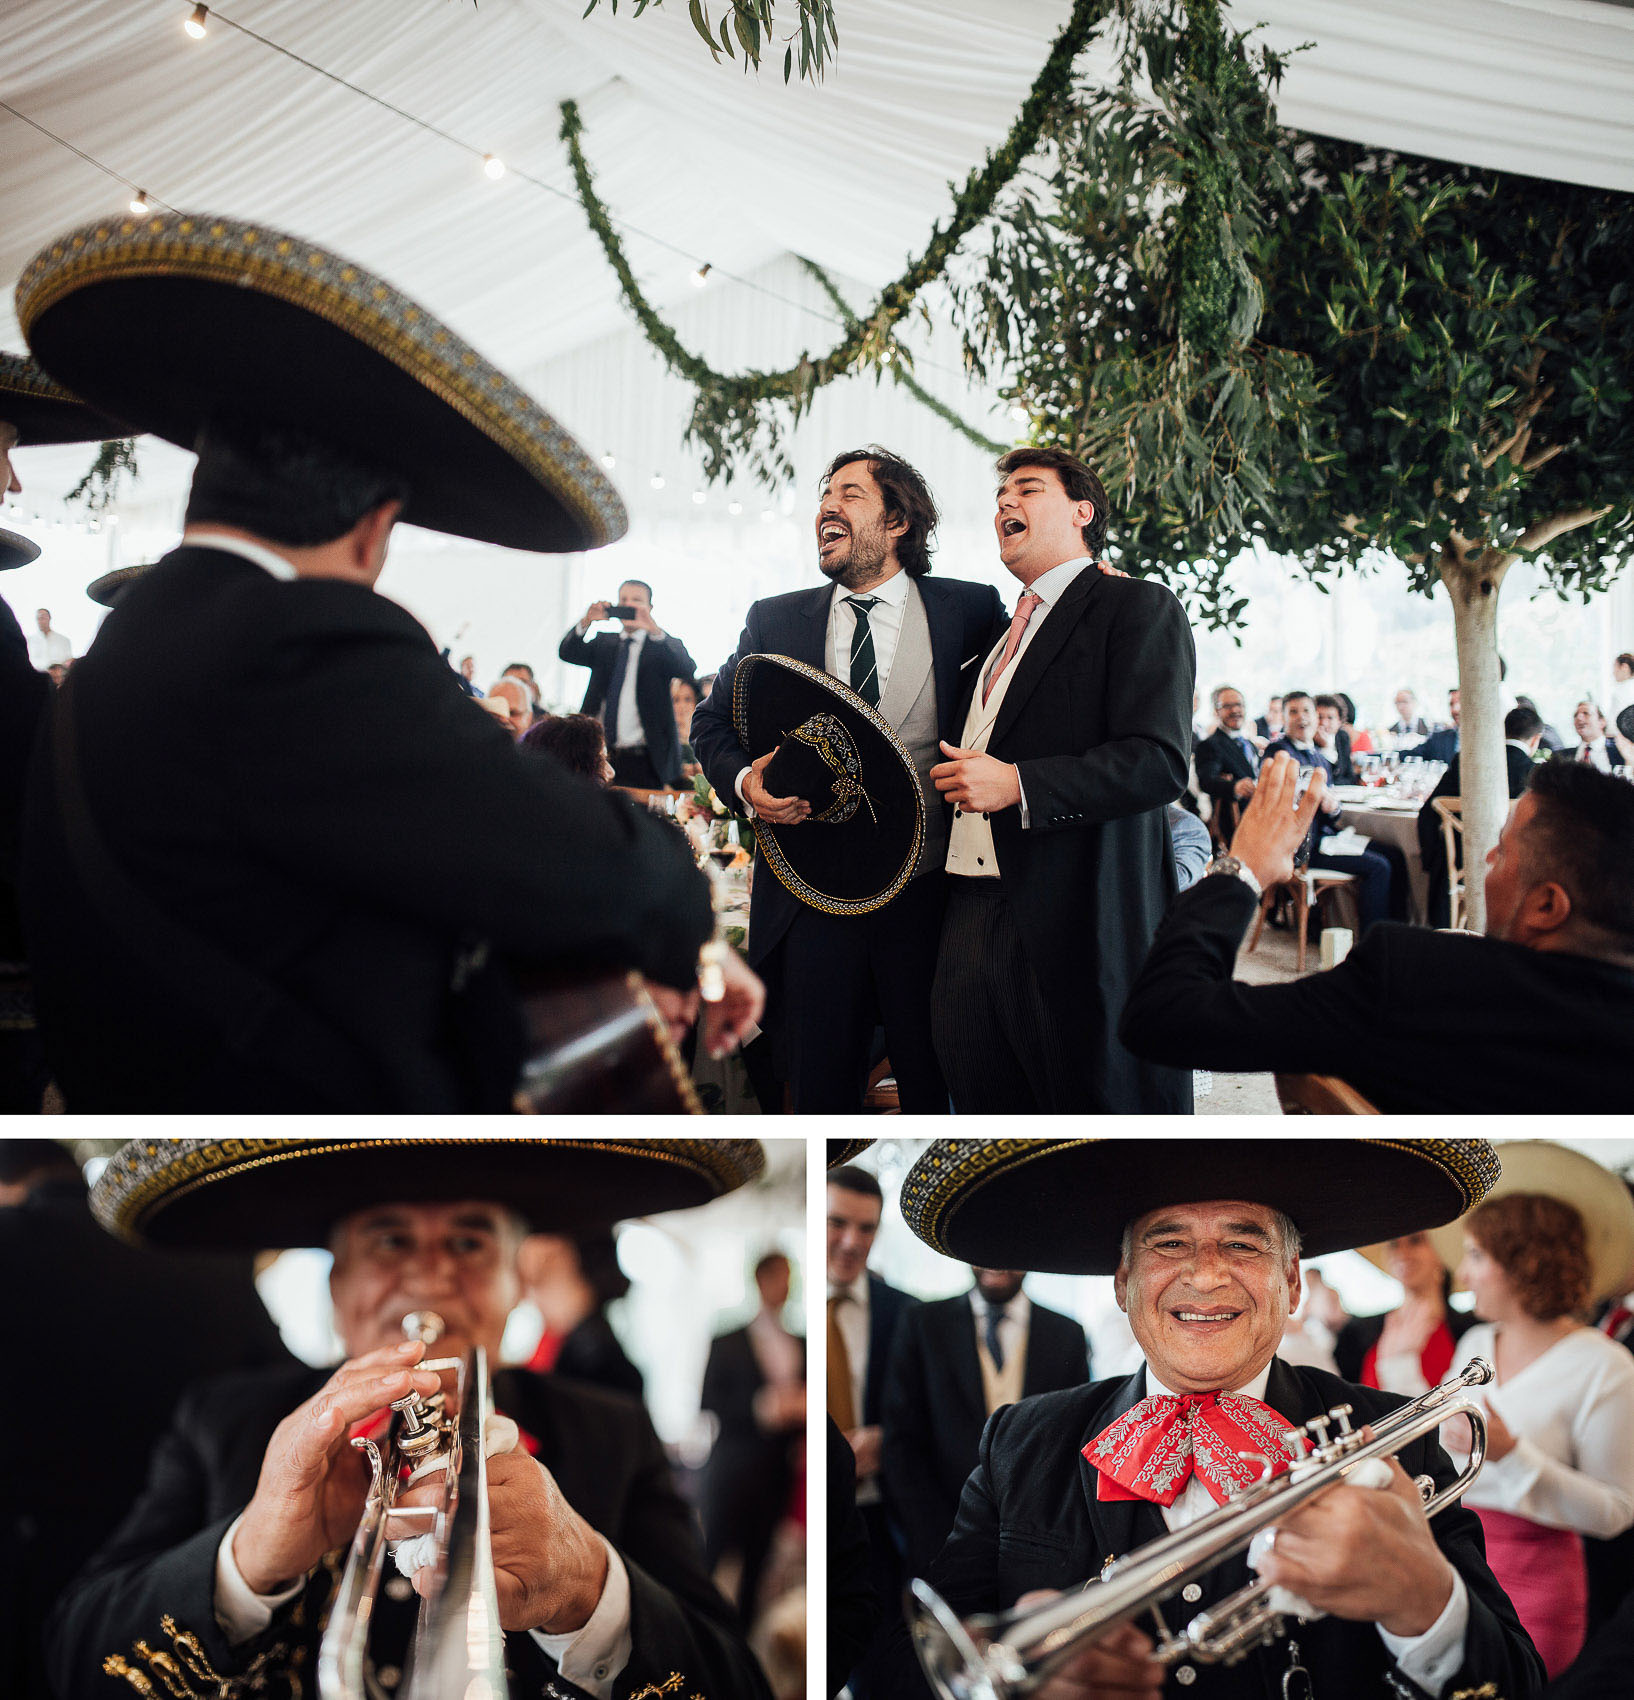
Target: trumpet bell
[{"x": 955, "y": 1666}]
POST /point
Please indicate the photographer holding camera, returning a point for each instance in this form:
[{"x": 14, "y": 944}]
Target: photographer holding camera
[{"x": 629, "y": 690}]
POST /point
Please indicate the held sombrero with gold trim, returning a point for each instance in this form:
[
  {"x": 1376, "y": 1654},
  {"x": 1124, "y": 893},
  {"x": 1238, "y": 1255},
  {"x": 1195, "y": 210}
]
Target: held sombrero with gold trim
[
  {"x": 16, "y": 550},
  {"x": 169, "y": 319},
  {"x": 43, "y": 411},
  {"x": 261, "y": 1194},
  {"x": 860, "y": 845},
  {"x": 1600, "y": 1197},
  {"x": 1061, "y": 1205}
]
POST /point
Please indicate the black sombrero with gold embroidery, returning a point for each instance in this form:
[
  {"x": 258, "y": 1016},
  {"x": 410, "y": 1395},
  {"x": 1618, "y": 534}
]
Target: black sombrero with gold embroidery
[
  {"x": 260, "y": 1194},
  {"x": 1061, "y": 1205},
  {"x": 860, "y": 845},
  {"x": 43, "y": 411},
  {"x": 842, "y": 1151},
  {"x": 16, "y": 550},
  {"x": 174, "y": 318}
]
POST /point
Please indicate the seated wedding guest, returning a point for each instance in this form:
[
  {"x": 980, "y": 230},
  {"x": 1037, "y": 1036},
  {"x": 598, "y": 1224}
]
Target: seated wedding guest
[
  {"x": 1192, "y": 845},
  {"x": 1361, "y": 740},
  {"x": 1410, "y": 1349},
  {"x": 58, "y": 671},
  {"x": 684, "y": 696},
  {"x": 571, "y": 1282},
  {"x": 1593, "y": 746},
  {"x": 1333, "y": 738},
  {"x": 1551, "y": 739},
  {"x": 956, "y": 1361},
  {"x": 1409, "y": 723},
  {"x": 468, "y": 676},
  {"x": 1270, "y": 724},
  {"x": 1535, "y": 1016},
  {"x": 514, "y": 693},
  {"x": 521, "y": 670},
  {"x": 1622, "y": 682},
  {"x": 1227, "y": 759},
  {"x": 1522, "y": 730},
  {"x": 1442, "y": 743},
  {"x": 1560, "y": 1417},
  {"x": 1379, "y": 873},
  {"x": 577, "y": 741}
]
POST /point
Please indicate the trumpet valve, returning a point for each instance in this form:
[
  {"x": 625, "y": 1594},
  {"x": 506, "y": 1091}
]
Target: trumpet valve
[
  {"x": 1317, "y": 1428},
  {"x": 1342, "y": 1414},
  {"x": 419, "y": 1434}
]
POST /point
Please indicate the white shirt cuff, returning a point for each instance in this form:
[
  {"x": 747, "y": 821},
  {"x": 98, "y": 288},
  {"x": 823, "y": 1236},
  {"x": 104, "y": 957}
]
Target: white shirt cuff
[
  {"x": 593, "y": 1656},
  {"x": 1026, "y": 817},
  {"x": 241, "y": 1612},
  {"x": 582, "y": 627},
  {"x": 737, "y": 785},
  {"x": 1434, "y": 1658}
]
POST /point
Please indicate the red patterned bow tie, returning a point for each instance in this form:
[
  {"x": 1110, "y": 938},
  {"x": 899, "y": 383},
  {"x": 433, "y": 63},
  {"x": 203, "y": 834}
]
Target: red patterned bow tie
[{"x": 1151, "y": 1451}]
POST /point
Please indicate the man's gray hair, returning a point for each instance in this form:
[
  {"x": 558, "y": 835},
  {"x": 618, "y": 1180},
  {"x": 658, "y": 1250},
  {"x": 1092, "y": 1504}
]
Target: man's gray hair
[
  {"x": 1218, "y": 692},
  {"x": 1287, "y": 1236}
]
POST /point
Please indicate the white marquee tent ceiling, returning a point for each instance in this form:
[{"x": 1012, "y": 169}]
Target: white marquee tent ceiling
[{"x": 736, "y": 170}]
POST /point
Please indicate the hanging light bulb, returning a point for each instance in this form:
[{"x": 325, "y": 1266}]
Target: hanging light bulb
[
  {"x": 493, "y": 166},
  {"x": 658, "y": 481},
  {"x": 699, "y": 498},
  {"x": 607, "y": 460},
  {"x": 196, "y": 23},
  {"x": 734, "y": 508},
  {"x": 139, "y": 203},
  {"x": 701, "y": 276},
  {"x": 766, "y": 516}
]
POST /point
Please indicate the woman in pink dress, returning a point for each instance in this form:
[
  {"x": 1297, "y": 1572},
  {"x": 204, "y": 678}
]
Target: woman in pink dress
[{"x": 1560, "y": 1416}]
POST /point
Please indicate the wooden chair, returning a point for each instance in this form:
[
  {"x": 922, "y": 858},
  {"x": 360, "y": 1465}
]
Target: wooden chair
[
  {"x": 1308, "y": 887},
  {"x": 1320, "y": 1095},
  {"x": 882, "y": 1097},
  {"x": 1451, "y": 811}
]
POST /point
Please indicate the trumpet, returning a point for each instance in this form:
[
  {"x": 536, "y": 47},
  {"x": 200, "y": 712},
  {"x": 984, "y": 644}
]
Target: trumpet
[
  {"x": 458, "y": 1647},
  {"x": 1007, "y": 1657}
]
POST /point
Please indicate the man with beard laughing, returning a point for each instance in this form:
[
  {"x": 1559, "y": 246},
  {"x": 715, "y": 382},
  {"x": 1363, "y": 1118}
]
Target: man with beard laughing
[{"x": 904, "y": 643}]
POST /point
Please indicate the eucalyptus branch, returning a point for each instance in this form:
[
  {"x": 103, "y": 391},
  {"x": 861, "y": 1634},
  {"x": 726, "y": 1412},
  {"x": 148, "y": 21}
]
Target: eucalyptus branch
[{"x": 115, "y": 459}]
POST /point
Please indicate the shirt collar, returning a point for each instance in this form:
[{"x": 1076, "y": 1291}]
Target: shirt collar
[
  {"x": 269, "y": 560},
  {"x": 857, "y": 1289},
  {"x": 1309, "y": 749},
  {"x": 1254, "y": 1389},
  {"x": 1051, "y": 586},
  {"x": 1015, "y": 1309},
  {"x": 893, "y": 591}
]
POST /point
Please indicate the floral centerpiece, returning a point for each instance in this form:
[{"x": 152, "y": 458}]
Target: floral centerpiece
[{"x": 719, "y": 822}]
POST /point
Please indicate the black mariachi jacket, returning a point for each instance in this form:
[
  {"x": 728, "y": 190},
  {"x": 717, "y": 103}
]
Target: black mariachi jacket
[
  {"x": 1029, "y": 1519},
  {"x": 140, "y": 1619}
]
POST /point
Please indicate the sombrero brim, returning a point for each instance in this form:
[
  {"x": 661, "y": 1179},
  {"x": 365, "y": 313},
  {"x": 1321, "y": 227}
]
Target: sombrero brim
[
  {"x": 170, "y": 319},
  {"x": 1594, "y": 1192},
  {"x": 841, "y": 868},
  {"x": 1061, "y": 1205},
  {"x": 16, "y": 550},
  {"x": 261, "y": 1194},
  {"x": 44, "y": 412},
  {"x": 842, "y": 1151},
  {"x": 107, "y": 590}
]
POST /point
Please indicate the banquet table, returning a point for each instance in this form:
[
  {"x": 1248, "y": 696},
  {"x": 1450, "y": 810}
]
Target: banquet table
[{"x": 1380, "y": 814}]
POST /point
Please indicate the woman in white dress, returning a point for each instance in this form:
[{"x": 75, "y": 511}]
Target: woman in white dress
[{"x": 1560, "y": 1416}]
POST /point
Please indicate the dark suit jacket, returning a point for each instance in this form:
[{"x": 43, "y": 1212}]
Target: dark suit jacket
[
  {"x": 1608, "y": 747},
  {"x": 1452, "y": 1022},
  {"x": 289, "y": 769},
  {"x": 888, "y": 1306},
  {"x": 599, "y": 1446},
  {"x": 88, "y": 1323},
  {"x": 591, "y": 1352},
  {"x": 1098, "y": 720},
  {"x": 1441, "y": 745},
  {"x": 1029, "y": 1518},
  {"x": 662, "y": 659},
  {"x": 854, "y": 1607},
  {"x": 935, "y": 1410},
  {"x": 24, "y": 697},
  {"x": 751, "y": 1469},
  {"x": 1221, "y": 763},
  {"x": 1432, "y": 844},
  {"x": 964, "y": 619},
  {"x": 1324, "y": 824}
]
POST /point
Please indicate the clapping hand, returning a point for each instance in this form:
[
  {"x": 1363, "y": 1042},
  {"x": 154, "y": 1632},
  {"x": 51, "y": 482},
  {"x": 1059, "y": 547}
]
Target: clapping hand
[{"x": 1274, "y": 825}]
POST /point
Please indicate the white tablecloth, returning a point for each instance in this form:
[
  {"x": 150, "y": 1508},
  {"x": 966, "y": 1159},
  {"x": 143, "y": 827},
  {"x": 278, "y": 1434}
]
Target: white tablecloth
[{"x": 1398, "y": 827}]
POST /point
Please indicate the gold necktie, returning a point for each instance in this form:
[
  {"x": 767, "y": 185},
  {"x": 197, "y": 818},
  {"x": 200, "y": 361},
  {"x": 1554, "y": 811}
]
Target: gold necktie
[{"x": 841, "y": 1407}]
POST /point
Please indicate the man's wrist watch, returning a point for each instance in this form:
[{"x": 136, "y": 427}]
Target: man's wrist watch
[{"x": 1237, "y": 870}]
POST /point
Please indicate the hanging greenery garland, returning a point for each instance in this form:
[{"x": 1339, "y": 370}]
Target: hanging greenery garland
[
  {"x": 115, "y": 460},
  {"x": 738, "y": 419}
]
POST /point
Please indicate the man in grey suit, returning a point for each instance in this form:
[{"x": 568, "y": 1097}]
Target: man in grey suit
[{"x": 903, "y": 642}]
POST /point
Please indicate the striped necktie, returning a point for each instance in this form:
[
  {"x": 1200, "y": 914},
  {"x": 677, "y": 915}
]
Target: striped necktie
[{"x": 864, "y": 669}]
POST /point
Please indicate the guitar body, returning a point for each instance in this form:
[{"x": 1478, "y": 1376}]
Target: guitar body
[{"x": 599, "y": 1046}]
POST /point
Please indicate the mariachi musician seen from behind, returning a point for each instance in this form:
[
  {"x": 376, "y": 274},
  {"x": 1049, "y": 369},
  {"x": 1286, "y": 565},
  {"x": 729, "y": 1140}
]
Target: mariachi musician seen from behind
[
  {"x": 274, "y": 858},
  {"x": 1206, "y": 1257},
  {"x": 222, "y": 1578}
]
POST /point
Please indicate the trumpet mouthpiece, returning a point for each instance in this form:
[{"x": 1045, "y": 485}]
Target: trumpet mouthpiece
[{"x": 423, "y": 1325}]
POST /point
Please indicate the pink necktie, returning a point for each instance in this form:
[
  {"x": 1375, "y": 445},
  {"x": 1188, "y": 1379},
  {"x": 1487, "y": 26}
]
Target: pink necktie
[{"x": 1012, "y": 642}]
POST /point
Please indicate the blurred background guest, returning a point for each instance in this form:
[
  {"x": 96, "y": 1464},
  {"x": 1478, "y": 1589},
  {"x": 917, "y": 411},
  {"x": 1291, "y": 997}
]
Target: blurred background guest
[
  {"x": 571, "y": 1283},
  {"x": 755, "y": 1387},
  {"x": 577, "y": 741},
  {"x": 854, "y": 1609},
  {"x": 1593, "y": 745},
  {"x": 1409, "y": 1349},
  {"x": 1270, "y": 725},
  {"x": 1310, "y": 1332},
  {"x": 1228, "y": 759},
  {"x": 956, "y": 1362},
  {"x": 1560, "y": 1437},
  {"x": 518, "y": 702},
  {"x": 684, "y": 696},
  {"x": 1409, "y": 723}
]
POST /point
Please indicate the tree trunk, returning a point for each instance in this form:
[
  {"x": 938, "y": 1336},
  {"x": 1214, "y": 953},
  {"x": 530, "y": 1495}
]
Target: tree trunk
[{"x": 1472, "y": 579}]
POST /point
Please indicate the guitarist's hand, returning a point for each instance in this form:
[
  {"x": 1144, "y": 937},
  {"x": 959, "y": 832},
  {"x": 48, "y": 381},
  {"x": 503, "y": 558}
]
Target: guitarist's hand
[
  {"x": 679, "y": 1009},
  {"x": 742, "y": 1005}
]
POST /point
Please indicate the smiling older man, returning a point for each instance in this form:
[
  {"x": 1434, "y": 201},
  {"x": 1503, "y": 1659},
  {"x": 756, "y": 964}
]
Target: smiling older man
[
  {"x": 227, "y": 1564},
  {"x": 1068, "y": 1481}
]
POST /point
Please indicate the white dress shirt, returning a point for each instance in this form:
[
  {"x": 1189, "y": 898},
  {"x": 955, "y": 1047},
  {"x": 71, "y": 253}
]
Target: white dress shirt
[
  {"x": 1572, "y": 1408},
  {"x": 853, "y": 1318},
  {"x": 1431, "y": 1659},
  {"x": 626, "y": 724},
  {"x": 1002, "y": 1386},
  {"x": 1595, "y": 754},
  {"x": 48, "y": 649},
  {"x": 884, "y": 622}
]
